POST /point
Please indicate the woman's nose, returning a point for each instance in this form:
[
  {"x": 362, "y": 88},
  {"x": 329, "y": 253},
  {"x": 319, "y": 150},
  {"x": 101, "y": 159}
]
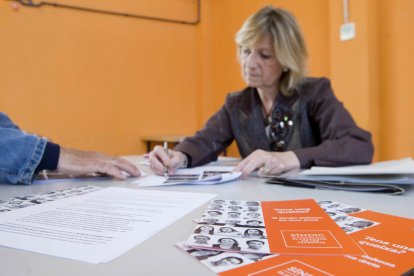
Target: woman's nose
[{"x": 252, "y": 61}]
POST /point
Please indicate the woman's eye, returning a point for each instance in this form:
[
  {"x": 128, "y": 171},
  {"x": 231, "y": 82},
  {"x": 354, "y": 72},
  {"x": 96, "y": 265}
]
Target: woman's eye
[{"x": 265, "y": 56}]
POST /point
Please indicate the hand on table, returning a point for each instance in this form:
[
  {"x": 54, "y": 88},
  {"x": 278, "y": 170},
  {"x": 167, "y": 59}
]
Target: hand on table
[
  {"x": 77, "y": 162},
  {"x": 268, "y": 162}
]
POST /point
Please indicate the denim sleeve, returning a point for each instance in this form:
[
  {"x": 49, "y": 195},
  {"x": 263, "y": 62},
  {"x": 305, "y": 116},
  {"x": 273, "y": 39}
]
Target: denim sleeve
[{"x": 20, "y": 153}]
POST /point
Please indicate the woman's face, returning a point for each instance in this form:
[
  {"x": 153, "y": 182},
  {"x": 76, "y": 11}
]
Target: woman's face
[
  {"x": 226, "y": 230},
  {"x": 261, "y": 69},
  {"x": 226, "y": 243},
  {"x": 201, "y": 239},
  {"x": 255, "y": 244}
]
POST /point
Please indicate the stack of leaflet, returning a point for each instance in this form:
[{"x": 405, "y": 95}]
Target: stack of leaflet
[
  {"x": 384, "y": 252},
  {"x": 232, "y": 233},
  {"x": 387, "y": 177}
]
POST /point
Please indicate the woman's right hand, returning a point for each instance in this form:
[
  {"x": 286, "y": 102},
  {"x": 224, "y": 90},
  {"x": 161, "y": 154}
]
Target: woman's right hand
[{"x": 160, "y": 160}]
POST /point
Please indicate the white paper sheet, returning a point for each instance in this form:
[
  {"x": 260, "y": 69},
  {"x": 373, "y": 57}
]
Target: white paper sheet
[
  {"x": 192, "y": 176},
  {"x": 402, "y": 166},
  {"x": 98, "y": 226}
]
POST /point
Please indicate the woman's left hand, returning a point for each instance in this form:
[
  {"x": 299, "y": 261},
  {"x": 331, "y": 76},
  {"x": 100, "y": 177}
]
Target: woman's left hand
[{"x": 268, "y": 162}]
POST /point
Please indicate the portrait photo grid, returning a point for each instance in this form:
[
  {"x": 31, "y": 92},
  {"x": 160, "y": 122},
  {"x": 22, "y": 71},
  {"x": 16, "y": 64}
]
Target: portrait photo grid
[
  {"x": 232, "y": 226},
  {"x": 206, "y": 177},
  {"x": 219, "y": 261},
  {"x": 19, "y": 202}
]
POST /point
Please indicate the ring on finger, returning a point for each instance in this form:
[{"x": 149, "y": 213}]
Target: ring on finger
[{"x": 265, "y": 170}]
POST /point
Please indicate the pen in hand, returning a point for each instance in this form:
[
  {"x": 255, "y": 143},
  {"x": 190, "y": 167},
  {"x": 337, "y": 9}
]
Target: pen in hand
[{"x": 166, "y": 151}]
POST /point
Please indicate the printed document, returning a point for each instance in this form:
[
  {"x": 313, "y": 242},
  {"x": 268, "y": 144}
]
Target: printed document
[
  {"x": 204, "y": 175},
  {"x": 393, "y": 167},
  {"x": 95, "y": 227}
]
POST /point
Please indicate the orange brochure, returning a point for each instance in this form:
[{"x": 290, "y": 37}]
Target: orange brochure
[
  {"x": 303, "y": 227},
  {"x": 387, "y": 240},
  {"x": 278, "y": 227}
]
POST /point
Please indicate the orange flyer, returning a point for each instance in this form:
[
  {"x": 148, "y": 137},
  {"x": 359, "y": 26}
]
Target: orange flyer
[
  {"x": 387, "y": 240},
  {"x": 303, "y": 227}
]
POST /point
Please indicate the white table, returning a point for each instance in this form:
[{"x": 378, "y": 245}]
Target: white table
[{"x": 158, "y": 255}]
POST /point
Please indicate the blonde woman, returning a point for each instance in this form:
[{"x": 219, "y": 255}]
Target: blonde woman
[{"x": 282, "y": 120}]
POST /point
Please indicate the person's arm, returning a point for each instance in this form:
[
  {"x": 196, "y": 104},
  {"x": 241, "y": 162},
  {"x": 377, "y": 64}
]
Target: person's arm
[
  {"x": 197, "y": 150},
  {"x": 209, "y": 142},
  {"x": 50, "y": 157},
  {"x": 342, "y": 141},
  {"x": 22, "y": 155}
]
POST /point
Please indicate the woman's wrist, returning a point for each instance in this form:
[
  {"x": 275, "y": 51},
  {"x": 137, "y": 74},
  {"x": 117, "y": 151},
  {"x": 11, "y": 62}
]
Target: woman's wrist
[{"x": 183, "y": 160}]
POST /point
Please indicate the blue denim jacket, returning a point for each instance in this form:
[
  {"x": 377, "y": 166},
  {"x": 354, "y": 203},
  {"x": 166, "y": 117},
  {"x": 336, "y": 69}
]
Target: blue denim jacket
[{"x": 20, "y": 153}]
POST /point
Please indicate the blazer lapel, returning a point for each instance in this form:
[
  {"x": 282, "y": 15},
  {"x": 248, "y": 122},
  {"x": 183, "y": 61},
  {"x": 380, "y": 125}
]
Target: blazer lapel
[{"x": 252, "y": 124}]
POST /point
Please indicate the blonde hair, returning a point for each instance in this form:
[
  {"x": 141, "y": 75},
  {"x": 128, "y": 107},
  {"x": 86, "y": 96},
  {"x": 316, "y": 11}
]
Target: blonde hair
[{"x": 288, "y": 43}]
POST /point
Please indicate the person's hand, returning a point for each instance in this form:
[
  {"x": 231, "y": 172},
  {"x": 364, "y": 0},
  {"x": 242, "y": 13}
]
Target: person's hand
[
  {"x": 159, "y": 160},
  {"x": 77, "y": 162},
  {"x": 268, "y": 162}
]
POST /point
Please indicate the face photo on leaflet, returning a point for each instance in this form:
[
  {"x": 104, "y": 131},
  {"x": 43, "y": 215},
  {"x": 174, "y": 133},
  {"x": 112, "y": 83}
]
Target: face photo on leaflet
[
  {"x": 255, "y": 244},
  {"x": 251, "y": 223},
  {"x": 226, "y": 261},
  {"x": 205, "y": 230},
  {"x": 231, "y": 222},
  {"x": 254, "y": 233},
  {"x": 202, "y": 254},
  {"x": 211, "y": 221},
  {"x": 202, "y": 240},
  {"x": 225, "y": 243},
  {"x": 228, "y": 231}
]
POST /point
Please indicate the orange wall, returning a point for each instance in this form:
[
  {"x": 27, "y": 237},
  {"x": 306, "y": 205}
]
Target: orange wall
[
  {"x": 396, "y": 72},
  {"x": 372, "y": 72},
  {"x": 102, "y": 82},
  {"x": 354, "y": 63}
]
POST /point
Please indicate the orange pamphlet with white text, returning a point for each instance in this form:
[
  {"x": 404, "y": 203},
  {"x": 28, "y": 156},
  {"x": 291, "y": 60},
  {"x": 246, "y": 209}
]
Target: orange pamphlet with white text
[
  {"x": 302, "y": 227},
  {"x": 277, "y": 227},
  {"x": 387, "y": 240}
]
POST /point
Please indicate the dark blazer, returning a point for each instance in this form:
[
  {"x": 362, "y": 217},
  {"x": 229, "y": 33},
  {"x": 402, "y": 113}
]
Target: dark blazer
[{"x": 328, "y": 134}]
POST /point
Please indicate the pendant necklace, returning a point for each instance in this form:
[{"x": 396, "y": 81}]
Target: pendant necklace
[{"x": 268, "y": 115}]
